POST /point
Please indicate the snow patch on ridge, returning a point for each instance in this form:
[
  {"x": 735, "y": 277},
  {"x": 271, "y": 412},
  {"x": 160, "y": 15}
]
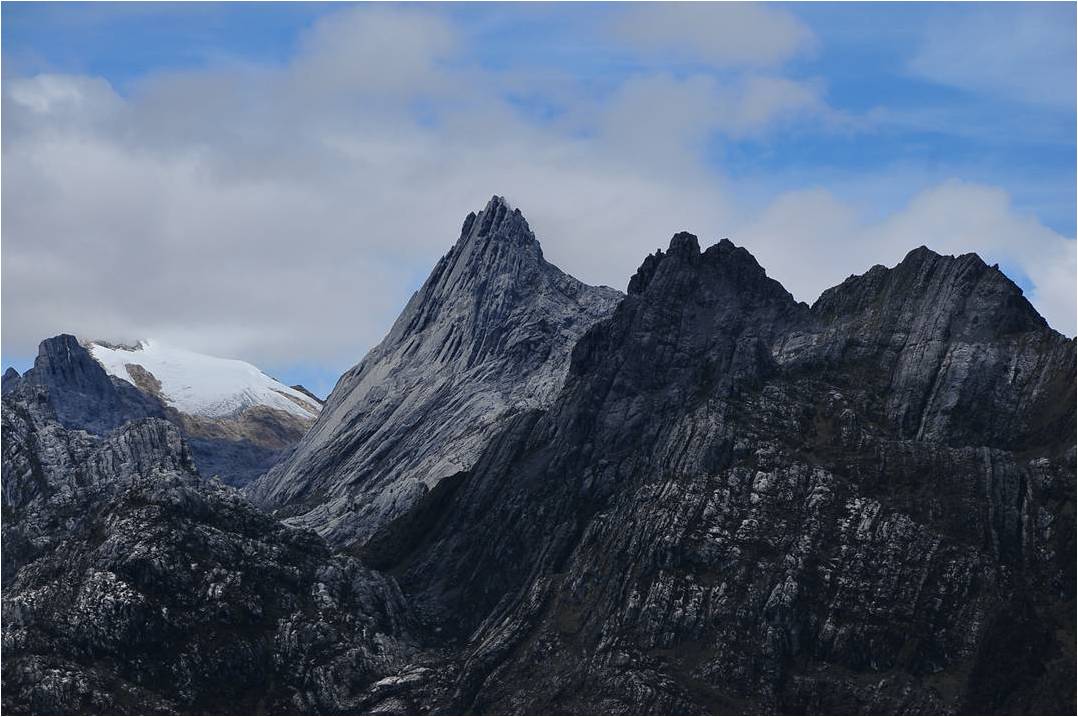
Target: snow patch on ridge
[{"x": 202, "y": 385}]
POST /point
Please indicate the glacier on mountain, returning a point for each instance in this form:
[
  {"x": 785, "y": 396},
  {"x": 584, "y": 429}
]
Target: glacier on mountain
[{"x": 200, "y": 385}]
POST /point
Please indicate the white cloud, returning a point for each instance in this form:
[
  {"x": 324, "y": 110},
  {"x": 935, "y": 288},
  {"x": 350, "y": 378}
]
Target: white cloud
[
  {"x": 667, "y": 120},
  {"x": 726, "y": 34},
  {"x": 388, "y": 51},
  {"x": 54, "y": 94},
  {"x": 807, "y": 239},
  {"x": 763, "y": 101},
  {"x": 285, "y": 213},
  {"x": 1025, "y": 52},
  {"x": 272, "y": 213}
]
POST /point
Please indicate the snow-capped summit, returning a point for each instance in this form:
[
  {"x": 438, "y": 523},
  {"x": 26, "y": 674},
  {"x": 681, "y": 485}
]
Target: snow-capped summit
[
  {"x": 197, "y": 384},
  {"x": 237, "y": 421}
]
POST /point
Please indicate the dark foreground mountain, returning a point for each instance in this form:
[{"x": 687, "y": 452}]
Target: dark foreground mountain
[
  {"x": 237, "y": 421},
  {"x": 133, "y": 585},
  {"x": 732, "y": 502},
  {"x": 740, "y": 503}
]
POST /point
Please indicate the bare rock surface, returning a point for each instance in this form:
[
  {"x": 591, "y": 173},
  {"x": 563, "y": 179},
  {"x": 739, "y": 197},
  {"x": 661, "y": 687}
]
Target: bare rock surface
[
  {"x": 132, "y": 585},
  {"x": 741, "y": 503},
  {"x": 717, "y": 500},
  {"x": 487, "y": 336}
]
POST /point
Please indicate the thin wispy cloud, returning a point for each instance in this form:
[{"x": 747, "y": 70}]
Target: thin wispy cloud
[
  {"x": 1025, "y": 54},
  {"x": 719, "y": 34}
]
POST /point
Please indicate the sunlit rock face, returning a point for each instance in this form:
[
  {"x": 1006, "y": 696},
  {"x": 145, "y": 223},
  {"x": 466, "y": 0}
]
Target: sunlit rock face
[{"x": 486, "y": 337}]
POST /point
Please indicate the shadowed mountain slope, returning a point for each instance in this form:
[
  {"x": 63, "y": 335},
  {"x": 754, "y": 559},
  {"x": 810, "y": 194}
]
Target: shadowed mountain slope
[{"x": 739, "y": 502}]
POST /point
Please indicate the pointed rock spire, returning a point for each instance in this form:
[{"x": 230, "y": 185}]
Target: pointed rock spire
[
  {"x": 495, "y": 264},
  {"x": 487, "y": 335},
  {"x": 10, "y": 379},
  {"x": 497, "y": 218},
  {"x": 81, "y": 393}
]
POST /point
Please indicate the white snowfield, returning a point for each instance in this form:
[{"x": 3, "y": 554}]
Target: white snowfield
[{"x": 202, "y": 385}]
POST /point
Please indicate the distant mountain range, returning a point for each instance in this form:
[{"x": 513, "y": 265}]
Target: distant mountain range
[{"x": 539, "y": 496}]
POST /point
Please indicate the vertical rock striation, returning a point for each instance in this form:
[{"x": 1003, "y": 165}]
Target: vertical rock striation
[
  {"x": 487, "y": 336},
  {"x": 739, "y": 502},
  {"x": 702, "y": 497}
]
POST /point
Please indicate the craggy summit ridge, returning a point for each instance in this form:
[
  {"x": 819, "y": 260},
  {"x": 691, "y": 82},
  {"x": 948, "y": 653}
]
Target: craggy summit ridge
[
  {"x": 728, "y": 502},
  {"x": 487, "y": 335},
  {"x": 972, "y": 361},
  {"x": 739, "y": 500}
]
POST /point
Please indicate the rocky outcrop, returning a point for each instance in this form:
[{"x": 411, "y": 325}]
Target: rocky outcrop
[
  {"x": 743, "y": 503},
  {"x": 306, "y": 392},
  {"x": 132, "y": 585},
  {"x": 10, "y": 379},
  {"x": 486, "y": 337},
  {"x": 722, "y": 500},
  {"x": 79, "y": 391}
]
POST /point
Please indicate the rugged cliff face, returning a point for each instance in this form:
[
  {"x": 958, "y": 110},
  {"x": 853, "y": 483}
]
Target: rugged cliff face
[
  {"x": 132, "y": 585},
  {"x": 487, "y": 336},
  {"x": 79, "y": 391},
  {"x": 743, "y": 503},
  {"x": 722, "y": 501}
]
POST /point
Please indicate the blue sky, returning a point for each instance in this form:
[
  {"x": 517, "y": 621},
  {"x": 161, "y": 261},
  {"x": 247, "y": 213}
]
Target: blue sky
[{"x": 350, "y": 141}]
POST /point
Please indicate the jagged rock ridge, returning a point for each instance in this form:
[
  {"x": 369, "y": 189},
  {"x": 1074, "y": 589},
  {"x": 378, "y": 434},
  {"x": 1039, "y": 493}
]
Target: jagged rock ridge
[
  {"x": 487, "y": 336},
  {"x": 733, "y": 503},
  {"x": 741, "y": 503}
]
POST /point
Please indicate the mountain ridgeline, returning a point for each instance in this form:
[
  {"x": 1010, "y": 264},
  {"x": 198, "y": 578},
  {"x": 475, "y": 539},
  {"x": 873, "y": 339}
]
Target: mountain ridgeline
[
  {"x": 487, "y": 336},
  {"x": 538, "y": 496}
]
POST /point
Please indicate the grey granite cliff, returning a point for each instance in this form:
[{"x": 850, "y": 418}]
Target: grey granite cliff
[{"x": 487, "y": 336}]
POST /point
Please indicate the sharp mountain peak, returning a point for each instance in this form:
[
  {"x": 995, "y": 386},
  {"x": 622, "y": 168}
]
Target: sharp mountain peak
[
  {"x": 723, "y": 265},
  {"x": 497, "y": 222},
  {"x": 492, "y": 328}
]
